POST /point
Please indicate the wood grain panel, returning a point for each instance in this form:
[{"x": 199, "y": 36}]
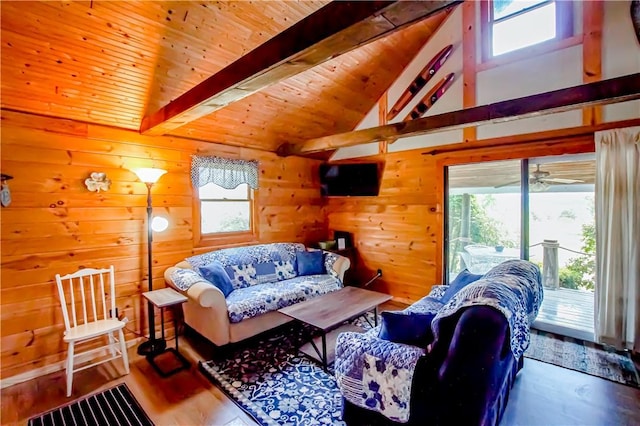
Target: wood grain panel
[
  {"x": 342, "y": 91},
  {"x": 330, "y": 32},
  {"x": 110, "y": 62},
  {"x": 55, "y": 225},
  {"x": 592, "y": 21},
  {"x": 469, "y": 62}
]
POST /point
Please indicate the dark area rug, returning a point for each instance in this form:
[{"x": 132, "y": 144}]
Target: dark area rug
[
  {"x": 583, "y": 356},
  {"x": 275, "y": 384},
  {"x": 114, "y": 406}
]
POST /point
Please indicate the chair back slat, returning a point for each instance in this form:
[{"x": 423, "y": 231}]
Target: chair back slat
[
  {"x": 65, "y": 313},
  {"x": 93, "y": 298},
  {"x": 73, "y": 302},
  {"x": 84, "y": 301},
  {"x": 104, "y": 302},
  {"x": 112, "y": 288},
  {"x": 78, "y": 294}
]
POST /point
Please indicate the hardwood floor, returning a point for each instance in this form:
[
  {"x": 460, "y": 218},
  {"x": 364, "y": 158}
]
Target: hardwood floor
[
  {"x": 543, "y": 394},
  {"x": 186, "y": 398}
]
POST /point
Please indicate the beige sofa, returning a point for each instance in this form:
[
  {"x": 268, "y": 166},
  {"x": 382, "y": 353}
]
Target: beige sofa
[{"x": 220, "y": 320}]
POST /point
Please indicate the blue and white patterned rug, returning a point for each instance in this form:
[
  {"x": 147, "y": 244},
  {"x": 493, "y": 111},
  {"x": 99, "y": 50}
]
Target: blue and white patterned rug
[{"x": 275, "y": 384}]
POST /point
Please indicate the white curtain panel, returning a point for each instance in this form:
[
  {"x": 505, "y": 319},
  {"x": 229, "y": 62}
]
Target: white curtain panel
[{"x": 617, "y": 294}]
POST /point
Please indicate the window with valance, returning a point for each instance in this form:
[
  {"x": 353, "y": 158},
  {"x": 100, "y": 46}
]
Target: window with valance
[{"x": 224, "y": 189}]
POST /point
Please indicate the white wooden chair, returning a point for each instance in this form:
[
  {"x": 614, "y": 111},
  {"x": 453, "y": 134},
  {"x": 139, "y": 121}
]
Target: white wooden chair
[{"x": 85, "y": 289}]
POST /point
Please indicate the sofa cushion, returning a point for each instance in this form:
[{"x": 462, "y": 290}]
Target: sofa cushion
[
  {"x": 285, "y": 269},
  {"x": 426, "y": 305},
  {"x": 252, "y": 301},
  {"x": 410, "y": 328},
  {"x": 242, "y": 263},
  {"x": 463, "y": 279},
  {"x": 242, "y": 275},
  {"x": 216, "y": 275},
  {"x": 310, "y": 262},
  {"x": 266, "y": 272}
]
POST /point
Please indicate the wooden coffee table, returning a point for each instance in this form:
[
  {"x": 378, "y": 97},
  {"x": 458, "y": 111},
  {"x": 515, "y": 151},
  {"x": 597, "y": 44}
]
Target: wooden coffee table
[{"x": 330, "y": 311}]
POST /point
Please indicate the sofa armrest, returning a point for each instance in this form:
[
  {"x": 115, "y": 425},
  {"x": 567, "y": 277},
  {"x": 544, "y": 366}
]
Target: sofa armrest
[
  {"x": 351, "y": 348},
  {"x": 376, "y": 374},
  {"x": 340, "y": 266},
  {"x": 202, "y": 292}
]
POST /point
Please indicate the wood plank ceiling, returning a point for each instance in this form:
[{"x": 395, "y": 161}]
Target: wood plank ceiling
[{"x": 110, "y": 62}]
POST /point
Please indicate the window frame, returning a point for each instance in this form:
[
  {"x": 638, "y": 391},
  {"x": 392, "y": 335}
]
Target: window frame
[
  {"x": 224, "y": 238},
  {"x": 564, "y": 31}
]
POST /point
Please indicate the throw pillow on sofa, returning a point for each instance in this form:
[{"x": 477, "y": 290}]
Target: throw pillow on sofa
[
  {"x": 463, "y": 279},
  {"x": 410, "y": 328},
  {"x": 310, "y": 262},
  {"x": 216, "y": 275}
]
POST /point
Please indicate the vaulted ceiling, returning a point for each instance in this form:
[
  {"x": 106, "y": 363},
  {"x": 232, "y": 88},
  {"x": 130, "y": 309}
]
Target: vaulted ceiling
[{"x": 113, "y": 62}]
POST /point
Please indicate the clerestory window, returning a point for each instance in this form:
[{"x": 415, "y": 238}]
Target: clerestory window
[{"x": 511, "y": 25}]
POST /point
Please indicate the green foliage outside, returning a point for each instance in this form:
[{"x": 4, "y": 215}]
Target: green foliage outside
[
  {"x": 234, "y": 224},
  {"x": 579, "y": 273},
  {"x": 483, "y": 228}
]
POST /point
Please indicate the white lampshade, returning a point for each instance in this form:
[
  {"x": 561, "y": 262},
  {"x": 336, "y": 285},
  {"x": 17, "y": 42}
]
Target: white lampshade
[
  {"x": 159, "y": 224},
  {"x": 148, "y": 174}
]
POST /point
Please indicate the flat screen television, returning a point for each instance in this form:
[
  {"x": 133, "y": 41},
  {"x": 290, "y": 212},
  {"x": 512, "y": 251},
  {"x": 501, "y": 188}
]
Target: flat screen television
[{"x": 355, "y": 180}]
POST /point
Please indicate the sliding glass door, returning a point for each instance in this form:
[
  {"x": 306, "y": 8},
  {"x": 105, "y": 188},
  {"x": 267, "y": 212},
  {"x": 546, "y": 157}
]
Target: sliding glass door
[
  {"x": 562, "y": 238},
  {"x": 492, "y": 215},
  {"x": 484, "y": 215}
]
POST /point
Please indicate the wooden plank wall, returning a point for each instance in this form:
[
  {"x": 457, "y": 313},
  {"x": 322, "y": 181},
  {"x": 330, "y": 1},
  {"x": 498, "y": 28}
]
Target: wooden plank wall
[
  {"x": 401, "y": 231},
  {"x": 55, "y": 225},
  {"x": 396, "y": 231}
]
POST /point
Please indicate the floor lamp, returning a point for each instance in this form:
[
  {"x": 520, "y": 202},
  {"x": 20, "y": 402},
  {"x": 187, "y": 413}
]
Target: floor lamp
[{"x": 152, "y": 346}]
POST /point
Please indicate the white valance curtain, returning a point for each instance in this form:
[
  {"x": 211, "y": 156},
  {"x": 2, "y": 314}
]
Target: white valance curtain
[
  {"x": 225, "y": 172},
  {"x": 617, "y": 294}
]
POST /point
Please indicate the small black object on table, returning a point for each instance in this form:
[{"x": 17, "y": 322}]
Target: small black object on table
[{"x": 161, "y": 299}]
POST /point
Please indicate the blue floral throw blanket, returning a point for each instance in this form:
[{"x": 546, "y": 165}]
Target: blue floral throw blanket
[{"x": 513, "y": 288}]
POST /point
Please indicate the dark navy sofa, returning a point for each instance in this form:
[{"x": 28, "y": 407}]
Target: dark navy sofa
[{"x": 463, "y": 374}]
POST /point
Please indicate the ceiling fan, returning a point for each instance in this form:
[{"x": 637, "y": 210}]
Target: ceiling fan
[{"x": 539, "y": 180}]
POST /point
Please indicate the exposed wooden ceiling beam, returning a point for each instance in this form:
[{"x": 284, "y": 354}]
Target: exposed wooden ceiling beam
[
  {"x": 603, "y": 92},
  {"x": 329, "y": 32}
]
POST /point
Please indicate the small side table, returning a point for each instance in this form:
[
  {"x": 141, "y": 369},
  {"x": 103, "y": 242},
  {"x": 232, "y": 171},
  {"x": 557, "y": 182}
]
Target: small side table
[{"x": 161, "y": 299}]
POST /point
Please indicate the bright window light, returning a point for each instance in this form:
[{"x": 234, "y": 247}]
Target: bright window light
[
  {"x": 502, "y": 8},
  {"x": 524, "y": 30},
  {"x": 229, "y": 216},
  {"x": 224, "y": 210}
]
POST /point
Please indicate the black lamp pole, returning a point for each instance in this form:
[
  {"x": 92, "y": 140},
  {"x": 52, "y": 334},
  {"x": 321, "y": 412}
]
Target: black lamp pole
[{"x": 153, "y": 345}]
